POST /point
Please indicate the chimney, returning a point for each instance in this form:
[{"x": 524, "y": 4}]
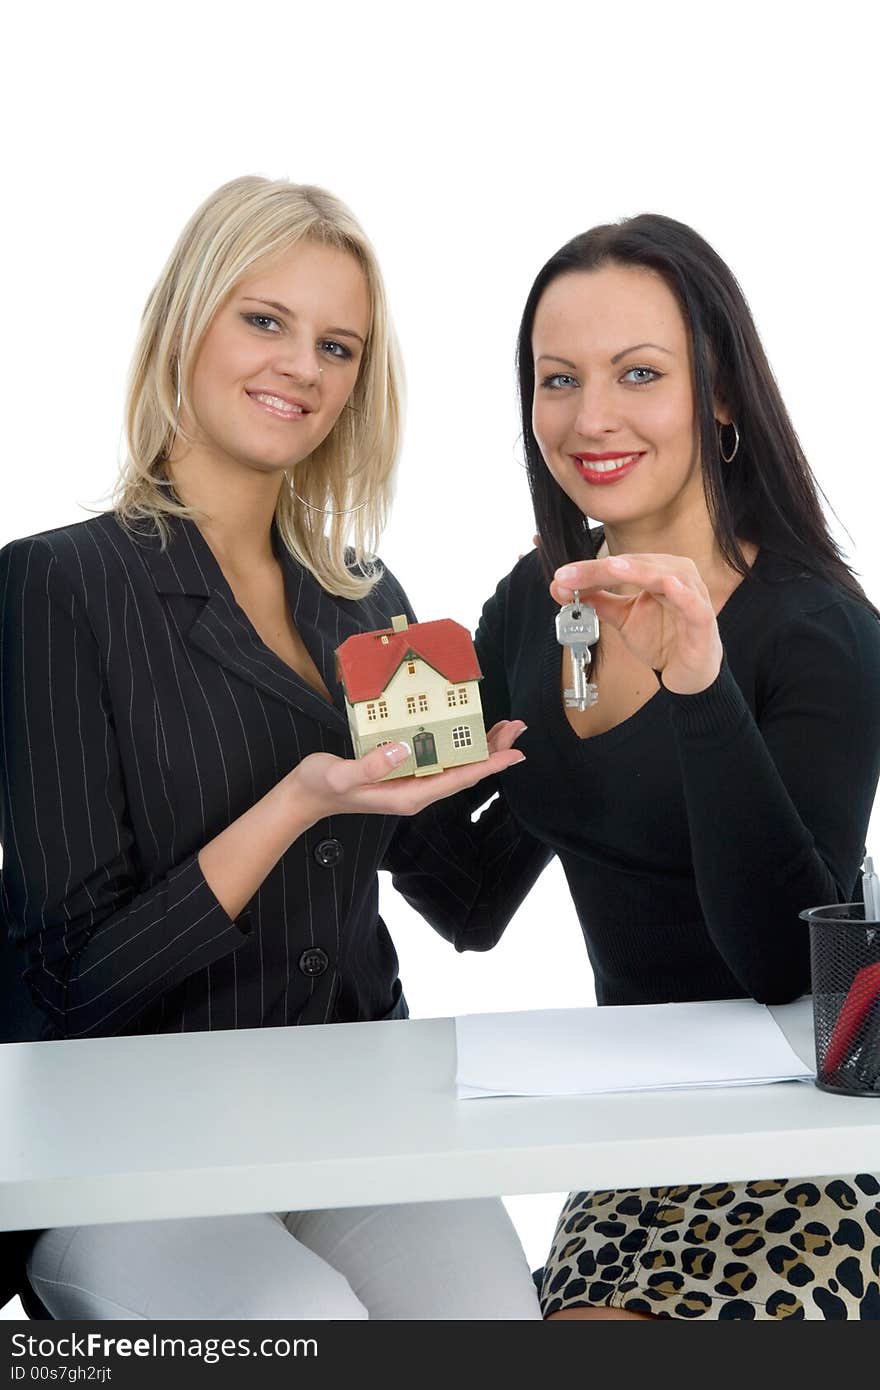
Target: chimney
[{"x": 399, "y": 624}]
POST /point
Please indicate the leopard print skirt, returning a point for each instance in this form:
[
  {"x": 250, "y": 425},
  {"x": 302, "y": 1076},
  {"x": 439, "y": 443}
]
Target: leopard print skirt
[{"x": 806, "y": 1248}]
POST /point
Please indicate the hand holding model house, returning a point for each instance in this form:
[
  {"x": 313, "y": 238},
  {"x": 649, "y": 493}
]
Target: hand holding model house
[{"x": 416, "y": 682}]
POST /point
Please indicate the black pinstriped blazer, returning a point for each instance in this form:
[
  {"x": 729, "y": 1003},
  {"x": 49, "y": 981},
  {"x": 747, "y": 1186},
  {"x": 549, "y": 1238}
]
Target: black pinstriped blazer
[{"x": 140, "y": 713}]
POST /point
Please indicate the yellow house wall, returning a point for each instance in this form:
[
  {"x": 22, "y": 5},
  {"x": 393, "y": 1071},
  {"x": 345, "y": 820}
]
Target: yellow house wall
[{"x": 439, "y": 719}]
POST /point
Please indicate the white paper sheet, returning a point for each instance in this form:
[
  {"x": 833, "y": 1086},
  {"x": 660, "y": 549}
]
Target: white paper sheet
[{"x": 558, "y": 1052}]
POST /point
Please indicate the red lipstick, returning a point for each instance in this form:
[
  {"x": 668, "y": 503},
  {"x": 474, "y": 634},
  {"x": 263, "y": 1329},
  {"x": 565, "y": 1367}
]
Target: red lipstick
[{"x": 603, "y": 469}]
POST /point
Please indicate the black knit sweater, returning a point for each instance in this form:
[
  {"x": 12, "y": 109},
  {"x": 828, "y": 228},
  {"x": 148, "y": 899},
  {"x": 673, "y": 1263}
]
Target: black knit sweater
[{"x": 693, "y": 833}]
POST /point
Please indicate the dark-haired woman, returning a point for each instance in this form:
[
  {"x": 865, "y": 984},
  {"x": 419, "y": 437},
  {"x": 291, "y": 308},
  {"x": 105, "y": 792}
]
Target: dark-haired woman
[{"x": 724, "y": 778}]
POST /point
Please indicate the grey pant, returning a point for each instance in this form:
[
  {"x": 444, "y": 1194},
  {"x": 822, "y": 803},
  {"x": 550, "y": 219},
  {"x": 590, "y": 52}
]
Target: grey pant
[{"x": 433, "y": 1260}]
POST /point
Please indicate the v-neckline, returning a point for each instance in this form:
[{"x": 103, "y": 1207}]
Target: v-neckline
[{"x": 286, "y": 563}]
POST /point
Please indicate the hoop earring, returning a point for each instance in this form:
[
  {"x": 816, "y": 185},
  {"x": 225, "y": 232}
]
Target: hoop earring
[
  {"x": 728, "y": 458},
  {"x": 328, "y": 511}
]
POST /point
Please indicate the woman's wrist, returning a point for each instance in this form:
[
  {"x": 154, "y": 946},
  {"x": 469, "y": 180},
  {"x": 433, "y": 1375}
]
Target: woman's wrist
[
  {"x": 712, "y": 712},
  {"x": 689, "y": 682},
  {"x": 301, "y": 810}
]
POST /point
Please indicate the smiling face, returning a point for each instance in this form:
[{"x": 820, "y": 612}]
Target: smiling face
[
  {"x": 614, "y": 412},
  {"x": 280, "y": 359}
]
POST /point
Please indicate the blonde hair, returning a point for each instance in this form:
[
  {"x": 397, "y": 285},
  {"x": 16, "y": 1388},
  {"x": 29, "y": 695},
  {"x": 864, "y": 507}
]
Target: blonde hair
[{"x": 240, "y": 225}]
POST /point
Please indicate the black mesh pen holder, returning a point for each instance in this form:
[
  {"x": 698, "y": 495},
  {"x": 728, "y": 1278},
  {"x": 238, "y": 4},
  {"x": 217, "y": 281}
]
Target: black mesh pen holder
[{"x": 845, "y": 956}]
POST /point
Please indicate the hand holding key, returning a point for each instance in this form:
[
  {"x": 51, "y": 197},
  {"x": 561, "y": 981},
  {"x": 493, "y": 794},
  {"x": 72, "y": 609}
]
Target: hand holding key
[{"x": 666, "y": 620}]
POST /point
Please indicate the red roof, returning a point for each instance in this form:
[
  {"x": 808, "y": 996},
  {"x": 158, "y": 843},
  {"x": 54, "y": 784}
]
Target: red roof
[{"x": 366, "y": 663}]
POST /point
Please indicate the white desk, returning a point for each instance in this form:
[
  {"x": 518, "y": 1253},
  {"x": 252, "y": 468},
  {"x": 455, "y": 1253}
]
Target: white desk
[{"x": 196, "y": 1124}]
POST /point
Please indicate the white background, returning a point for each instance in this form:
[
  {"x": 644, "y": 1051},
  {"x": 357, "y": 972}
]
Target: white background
[{"x": 471, "y": 140}]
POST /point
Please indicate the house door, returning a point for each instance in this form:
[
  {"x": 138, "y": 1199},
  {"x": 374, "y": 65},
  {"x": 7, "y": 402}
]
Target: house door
[{"x": 425, "y": 750}]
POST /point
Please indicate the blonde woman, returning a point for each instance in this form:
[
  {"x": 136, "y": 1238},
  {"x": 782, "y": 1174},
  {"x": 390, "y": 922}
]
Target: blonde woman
[{"x": 186, "y": 844}]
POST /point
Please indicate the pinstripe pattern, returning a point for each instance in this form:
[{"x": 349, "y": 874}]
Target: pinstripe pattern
[{"x": 140, "y": 713}]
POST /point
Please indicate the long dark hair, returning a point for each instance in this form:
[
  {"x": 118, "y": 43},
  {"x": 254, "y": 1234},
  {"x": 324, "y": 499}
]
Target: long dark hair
[{"x": 767, "y": 494}]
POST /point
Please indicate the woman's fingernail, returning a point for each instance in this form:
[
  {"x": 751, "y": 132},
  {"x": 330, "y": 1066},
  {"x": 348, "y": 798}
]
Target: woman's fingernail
[
  {"x": 567, "y": 572},
  {"x": 397, "y": 752},
  {"x": 618, "y": 563}
]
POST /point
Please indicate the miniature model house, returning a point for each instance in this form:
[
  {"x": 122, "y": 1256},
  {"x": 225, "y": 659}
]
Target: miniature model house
[{"x": 417, "y": 682}]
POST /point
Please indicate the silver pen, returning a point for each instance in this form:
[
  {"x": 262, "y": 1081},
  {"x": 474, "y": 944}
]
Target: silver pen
[{"x": 870, "y": 890}]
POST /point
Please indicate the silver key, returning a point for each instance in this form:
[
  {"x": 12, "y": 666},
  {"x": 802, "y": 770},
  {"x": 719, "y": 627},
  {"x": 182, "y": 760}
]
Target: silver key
[{"x": 577, "y": 628}]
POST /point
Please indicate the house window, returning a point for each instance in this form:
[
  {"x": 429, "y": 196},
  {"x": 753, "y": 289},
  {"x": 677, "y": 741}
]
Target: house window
[
  {"x": 410, "y": 704},
  {"x": 462, "y": 695},
  {"x": 371, "y": 711},
  {"x": 461, "y": 736},
  {"x": 451, "y": 698},
  {"x": 423, "y": 704},
  {"x": 383, "y": 709},
  {"x": 411, "y": 667}
]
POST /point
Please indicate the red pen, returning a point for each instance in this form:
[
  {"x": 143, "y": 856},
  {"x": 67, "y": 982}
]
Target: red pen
[
  {"x": 868, "y": 1066},
  {"x": 864, "y": 990}
]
